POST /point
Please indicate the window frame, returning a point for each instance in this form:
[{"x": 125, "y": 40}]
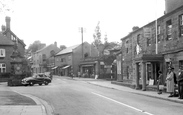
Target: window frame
[
  {"x": 1, "y": 68},
  {"x": 181, "y": 25},
  {"x": 169, "y": 29},
  {"x": 2, "y": 53}
]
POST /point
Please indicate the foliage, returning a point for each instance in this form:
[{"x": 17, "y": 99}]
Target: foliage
[
  {"x": 62, "y": 47},
  {"x": 36, "y": 45},
  {"x": 108, "y": 59},
  {"x": 6, "y": 6}
]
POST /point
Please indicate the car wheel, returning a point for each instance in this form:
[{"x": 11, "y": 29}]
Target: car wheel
[
  {"x": 45, "y": 82},
  {"x": 40, "y": 84},
  {"x": 31, "y": 84}
]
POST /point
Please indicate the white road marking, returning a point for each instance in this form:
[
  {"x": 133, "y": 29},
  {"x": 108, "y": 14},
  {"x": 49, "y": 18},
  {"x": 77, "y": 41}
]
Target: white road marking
[{"x": 122, "y": 104}]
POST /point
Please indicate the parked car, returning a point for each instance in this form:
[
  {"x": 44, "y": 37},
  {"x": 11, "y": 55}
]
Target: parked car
[{"x": 39, "y": 78}]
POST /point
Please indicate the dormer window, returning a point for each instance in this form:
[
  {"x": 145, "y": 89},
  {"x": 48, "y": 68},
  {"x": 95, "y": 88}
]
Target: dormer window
[{"x": 2, "y": 53}]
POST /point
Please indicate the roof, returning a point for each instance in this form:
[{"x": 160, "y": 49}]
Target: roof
[
  {"x": 43, "y": 48},
  {"x": 19, "y": 40},
  {"x": 67, "y": 50},
  {"x": 5, "y": 41}
]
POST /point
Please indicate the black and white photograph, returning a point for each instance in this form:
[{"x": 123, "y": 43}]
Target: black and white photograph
[{"x": 91, "y": 57}]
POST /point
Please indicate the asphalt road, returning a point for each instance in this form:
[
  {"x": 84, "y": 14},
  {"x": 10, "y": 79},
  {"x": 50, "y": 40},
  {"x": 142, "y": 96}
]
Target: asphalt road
[{"x": 73, "y": 97}]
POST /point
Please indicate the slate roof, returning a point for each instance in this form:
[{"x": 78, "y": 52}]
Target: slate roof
[
  {"x": 5, "y": 41},
  {"x": 67, "y": 50}
]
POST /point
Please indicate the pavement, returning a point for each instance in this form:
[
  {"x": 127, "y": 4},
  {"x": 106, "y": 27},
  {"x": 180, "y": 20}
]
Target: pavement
[
  {"x": 107, "y": 84},
  {"x": 14, "y": 103}
]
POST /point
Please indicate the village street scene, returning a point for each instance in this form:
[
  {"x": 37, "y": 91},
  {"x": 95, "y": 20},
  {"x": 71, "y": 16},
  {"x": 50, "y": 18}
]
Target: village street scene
[{"x": 92, "y": 73}]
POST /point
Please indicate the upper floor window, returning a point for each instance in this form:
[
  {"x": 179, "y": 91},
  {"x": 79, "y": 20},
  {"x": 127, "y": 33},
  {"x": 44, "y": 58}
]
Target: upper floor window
[
  {"x": 148, "y": 41},
  {"x": 169, "y": 29},
  {"x": 2, "y": 53},
  {"x": 63, "y": 60},
  {"x": 138, "y": 39},
  {"x": 181, "y": 25},
  {"x": 158, "y": 33},
  {"x": 2, "y": 68},
  {"x": 126, "y": 50}
]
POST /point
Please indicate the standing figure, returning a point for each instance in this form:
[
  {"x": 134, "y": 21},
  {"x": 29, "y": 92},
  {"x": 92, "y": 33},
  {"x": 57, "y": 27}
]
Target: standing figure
[
  {"x": 159, "y": 82},
  {"x": 170, "y": 82},
  {"x": 180, "y": 83}
]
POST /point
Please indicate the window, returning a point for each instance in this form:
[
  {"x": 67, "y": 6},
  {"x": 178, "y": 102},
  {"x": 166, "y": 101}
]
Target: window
[
  {"x": 2, "y": 52},
  {"x": 62, "y": 59},
  {"x": 2, "y": 68},
  {"x": 181, "y": 64},
  {"x": 181, "y": 25},
  {"x": 169, "y": 29},
  {"x": 138, "y": 39},
  {"x": 148, "y": 41},
  {"x": 126, "y": 50},
  {"x": 158, "y": 34}
]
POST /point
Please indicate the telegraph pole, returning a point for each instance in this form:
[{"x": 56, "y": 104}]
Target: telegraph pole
[{"x": 82, "y": 39}]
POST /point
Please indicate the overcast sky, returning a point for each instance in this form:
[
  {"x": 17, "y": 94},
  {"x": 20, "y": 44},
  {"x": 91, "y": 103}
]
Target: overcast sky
[{"x": 59, "y": 20}]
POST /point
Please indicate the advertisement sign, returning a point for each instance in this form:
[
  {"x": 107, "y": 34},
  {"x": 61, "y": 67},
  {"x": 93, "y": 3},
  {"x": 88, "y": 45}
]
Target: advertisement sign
[{"x": 147, "y": 32}]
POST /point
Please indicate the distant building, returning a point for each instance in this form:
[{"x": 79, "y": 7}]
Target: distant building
[
  {"x": 67, "y": 61},
  {"x": 40, "y": 58},
  {"x": 7, "y": 40}
]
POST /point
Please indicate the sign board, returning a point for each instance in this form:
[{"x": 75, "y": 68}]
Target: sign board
[
  {"x": 147, "y": 32},
  {"x": 151, "y": 82}
]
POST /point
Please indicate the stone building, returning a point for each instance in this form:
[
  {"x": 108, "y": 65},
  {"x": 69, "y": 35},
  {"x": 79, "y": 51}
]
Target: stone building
[{"x": 154, "y": 47}]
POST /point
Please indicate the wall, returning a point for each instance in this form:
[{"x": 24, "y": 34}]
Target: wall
[{"x": 6, "y": 60}]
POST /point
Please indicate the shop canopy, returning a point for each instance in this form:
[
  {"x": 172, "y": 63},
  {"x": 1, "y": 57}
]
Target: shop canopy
[
  {"x": 66, "y": 67},
  {"x": 54, "y": 67}
]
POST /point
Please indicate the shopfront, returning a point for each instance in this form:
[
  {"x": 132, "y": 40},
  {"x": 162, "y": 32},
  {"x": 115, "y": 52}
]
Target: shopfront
[{"x": 147, "y": 68}]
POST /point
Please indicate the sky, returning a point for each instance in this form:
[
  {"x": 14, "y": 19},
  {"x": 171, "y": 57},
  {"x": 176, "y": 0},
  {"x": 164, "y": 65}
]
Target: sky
[{"x": 60, "y": 20}]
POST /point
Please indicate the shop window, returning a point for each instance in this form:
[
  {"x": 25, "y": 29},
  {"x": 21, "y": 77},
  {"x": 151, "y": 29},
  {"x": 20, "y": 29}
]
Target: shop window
[
  {"x": 181, "y": 64},
  {"x": 2, "y": 68},
  {"x": 181, "y": 25},
  {"x": 169, "y": 29}
]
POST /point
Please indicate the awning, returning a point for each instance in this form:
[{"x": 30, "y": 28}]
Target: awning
[
  {"x": 54, "y": 67},
  {"x": 66, "y": 67},
  {"x": 87, "y": 65}
]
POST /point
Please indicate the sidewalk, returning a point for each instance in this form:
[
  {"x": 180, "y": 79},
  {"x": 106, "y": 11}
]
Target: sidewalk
[
  {"x": 13, "y": 103},
  {"x": 107, "y": 84}
]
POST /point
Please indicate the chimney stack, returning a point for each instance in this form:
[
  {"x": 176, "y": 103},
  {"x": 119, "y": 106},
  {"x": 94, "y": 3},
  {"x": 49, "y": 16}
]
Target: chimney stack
[
  {"x": 3, "y": 28},
  {"x": 8, "y": 19},
  {"x": 55, "y": 44}
]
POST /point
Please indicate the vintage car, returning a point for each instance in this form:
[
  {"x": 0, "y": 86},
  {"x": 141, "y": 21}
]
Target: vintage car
[{"x": 39, "y": 78}]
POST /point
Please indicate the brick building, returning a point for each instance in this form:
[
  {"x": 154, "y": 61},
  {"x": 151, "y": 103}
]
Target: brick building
[
  {"x": 7, "y": 41},
  {"x": 145, "y": 50}
]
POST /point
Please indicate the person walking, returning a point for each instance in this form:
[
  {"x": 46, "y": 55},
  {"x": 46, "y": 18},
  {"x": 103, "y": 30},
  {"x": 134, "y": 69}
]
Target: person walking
[
  {"x": 170, "y": 82},
  {"x": 159, "y": 82}
]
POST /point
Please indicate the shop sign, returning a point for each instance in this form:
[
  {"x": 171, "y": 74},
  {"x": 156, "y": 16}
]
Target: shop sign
[{"x": 147, "y": 32}]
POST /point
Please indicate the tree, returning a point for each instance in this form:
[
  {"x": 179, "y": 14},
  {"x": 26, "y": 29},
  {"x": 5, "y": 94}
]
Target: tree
[
  {"x": 6, "y": 6},
  {"x": 36, "y": 45},
  {"x": 62, "y": 47}
]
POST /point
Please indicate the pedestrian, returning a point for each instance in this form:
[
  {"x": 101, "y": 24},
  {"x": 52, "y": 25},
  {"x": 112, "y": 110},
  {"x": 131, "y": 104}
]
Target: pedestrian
[
  {"x": 180, "y": 83},
  {"x": 159, "y": 82},
  {"x": 175, "y": 82},
  {"x": 170, "y": 82},
  {"x": 79, "y": 74}
]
